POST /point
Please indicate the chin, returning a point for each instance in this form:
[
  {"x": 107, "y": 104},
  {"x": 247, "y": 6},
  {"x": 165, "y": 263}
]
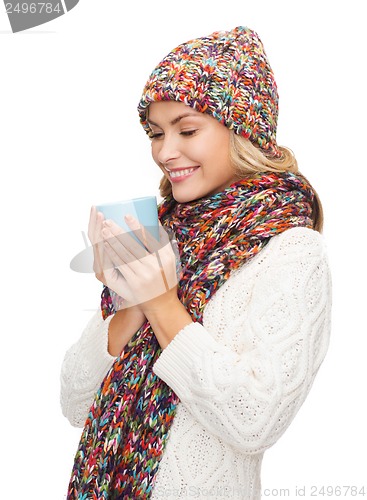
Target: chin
[
  {"x": 185, "y": 198},
  {"x": 182, "y": 198}
]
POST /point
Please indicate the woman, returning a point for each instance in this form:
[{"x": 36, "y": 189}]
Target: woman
[{"x": 195, "y": 379}]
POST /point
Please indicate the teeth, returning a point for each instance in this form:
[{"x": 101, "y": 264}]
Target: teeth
[{"x": 178, "y": 173}]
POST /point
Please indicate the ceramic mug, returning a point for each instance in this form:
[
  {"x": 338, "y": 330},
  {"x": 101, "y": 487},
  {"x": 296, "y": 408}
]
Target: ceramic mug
[{"x": 143, "y": 209}]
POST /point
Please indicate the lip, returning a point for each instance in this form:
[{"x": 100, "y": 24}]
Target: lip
[
  {"x": 180, "y": 168},
  {"x": 182, "y": 177}
]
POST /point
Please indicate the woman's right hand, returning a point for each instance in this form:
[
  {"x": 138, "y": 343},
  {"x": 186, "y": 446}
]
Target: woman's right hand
[
  {"x": 101, "y": 259},
  {"x": 126, "y": 322}
]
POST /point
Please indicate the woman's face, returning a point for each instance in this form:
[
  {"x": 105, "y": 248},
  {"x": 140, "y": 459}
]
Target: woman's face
[{"x": 191, "y": 149}]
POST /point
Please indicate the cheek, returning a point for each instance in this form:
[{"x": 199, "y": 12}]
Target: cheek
[
  {"x": 223, "y": 144},
  {"x": 212, "y": 148},
  {"x": 216, "y": 153},
  {"x": 221, "y": 149},
  {"x": 199, "y": 146}
]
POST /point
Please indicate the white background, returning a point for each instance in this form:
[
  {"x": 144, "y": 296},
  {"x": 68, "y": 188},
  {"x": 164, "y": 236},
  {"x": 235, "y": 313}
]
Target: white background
[{"x": 70, "y": 137}]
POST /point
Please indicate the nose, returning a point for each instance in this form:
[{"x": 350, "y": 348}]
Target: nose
[{"x": 167, "y": 150}]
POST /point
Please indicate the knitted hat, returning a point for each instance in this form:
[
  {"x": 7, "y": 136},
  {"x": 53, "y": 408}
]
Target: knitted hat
[{"x": 227, "y": 75}]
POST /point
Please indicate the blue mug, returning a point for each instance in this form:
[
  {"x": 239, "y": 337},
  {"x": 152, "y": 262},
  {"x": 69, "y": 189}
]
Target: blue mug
[{"x": 143, "y": 209}]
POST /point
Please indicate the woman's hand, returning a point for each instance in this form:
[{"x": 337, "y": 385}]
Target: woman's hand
[
  {"x": 101, "y": 259},
  {"x": 144, "y": 276}
]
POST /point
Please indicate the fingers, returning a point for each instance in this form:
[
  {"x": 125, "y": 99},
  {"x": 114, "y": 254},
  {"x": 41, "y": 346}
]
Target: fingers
[
  {"x": 92, "y": 226},
  {"x": 116, "y": 281},
  {"x": 168, "y": 265},
  {"x": 98, "y": 244},
  {"x": 117, "y": 252},
  {"x": 106, "y": 260},
  {"x": 95, "y": 236},
  {"x": 163, "y": 235},
  {"x": 92, "y": 223},
  {"x": 145, "y": 278},
  {"x": 141, "y": 233},
  {"x": 123, "y": 240},
  {"x": 133, "y": 260},
  {"x": 148, "y": 240}
]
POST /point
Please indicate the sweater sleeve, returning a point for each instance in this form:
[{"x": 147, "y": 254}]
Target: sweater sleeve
[
  {"x": 83, "y": 369},
  {"x": 247, "y": 396}
]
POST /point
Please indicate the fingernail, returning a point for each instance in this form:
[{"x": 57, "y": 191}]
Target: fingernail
[
  {"x": 108, "y": 222},
  {"x": 133, "y": 223}
]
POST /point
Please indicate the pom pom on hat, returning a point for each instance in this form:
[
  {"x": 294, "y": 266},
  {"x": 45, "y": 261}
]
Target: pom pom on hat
[{"x": 227, "y": 75}]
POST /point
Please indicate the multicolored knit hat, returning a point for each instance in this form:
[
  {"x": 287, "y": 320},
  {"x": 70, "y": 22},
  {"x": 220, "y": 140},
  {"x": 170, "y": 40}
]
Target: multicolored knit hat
[{"x": 227, "y": 75}]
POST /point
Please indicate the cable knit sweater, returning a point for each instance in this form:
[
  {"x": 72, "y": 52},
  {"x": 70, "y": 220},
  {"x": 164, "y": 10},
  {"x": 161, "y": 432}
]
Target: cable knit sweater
[{"x": 241, "y": 376}]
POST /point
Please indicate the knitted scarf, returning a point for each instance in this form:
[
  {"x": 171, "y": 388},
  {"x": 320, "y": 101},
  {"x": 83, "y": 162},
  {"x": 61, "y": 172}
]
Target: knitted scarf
[{"x": 127, "y": 427}]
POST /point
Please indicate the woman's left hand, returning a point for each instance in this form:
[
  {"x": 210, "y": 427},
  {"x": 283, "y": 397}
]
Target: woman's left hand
[{"x": 146, "y": 277}]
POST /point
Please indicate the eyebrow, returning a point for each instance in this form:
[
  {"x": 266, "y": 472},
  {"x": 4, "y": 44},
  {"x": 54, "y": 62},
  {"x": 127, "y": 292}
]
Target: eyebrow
[{"x": 175, "y": 120}]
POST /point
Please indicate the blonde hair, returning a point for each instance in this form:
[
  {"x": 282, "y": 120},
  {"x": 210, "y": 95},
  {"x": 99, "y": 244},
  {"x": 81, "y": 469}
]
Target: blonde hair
[{"x": 248, "y": 159}]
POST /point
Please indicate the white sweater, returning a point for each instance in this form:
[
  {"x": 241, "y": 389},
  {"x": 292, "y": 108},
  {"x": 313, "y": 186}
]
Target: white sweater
[{"x": 241, "y": 376}]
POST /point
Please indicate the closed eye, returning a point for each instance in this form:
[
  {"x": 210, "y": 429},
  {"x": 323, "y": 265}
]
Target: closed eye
[
  {"x": 157, "y": 135},
  {"x": 188, "y": 133}
]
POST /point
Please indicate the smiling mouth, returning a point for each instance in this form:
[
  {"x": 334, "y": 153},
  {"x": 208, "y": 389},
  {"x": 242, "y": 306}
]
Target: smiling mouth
[{"x": 181, "y": 173}]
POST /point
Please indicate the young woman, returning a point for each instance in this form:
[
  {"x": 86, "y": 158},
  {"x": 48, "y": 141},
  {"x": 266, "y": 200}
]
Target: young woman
[{"x": 186, "y": 378}]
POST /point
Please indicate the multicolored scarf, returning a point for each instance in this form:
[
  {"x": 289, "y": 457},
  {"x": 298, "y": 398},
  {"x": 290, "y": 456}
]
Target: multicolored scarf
[{"x": 127, "y": 427}]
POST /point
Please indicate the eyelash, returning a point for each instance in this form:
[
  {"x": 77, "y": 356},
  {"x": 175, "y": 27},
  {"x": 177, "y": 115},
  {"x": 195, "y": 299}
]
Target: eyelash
[{"x": 186, "y": 133}]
